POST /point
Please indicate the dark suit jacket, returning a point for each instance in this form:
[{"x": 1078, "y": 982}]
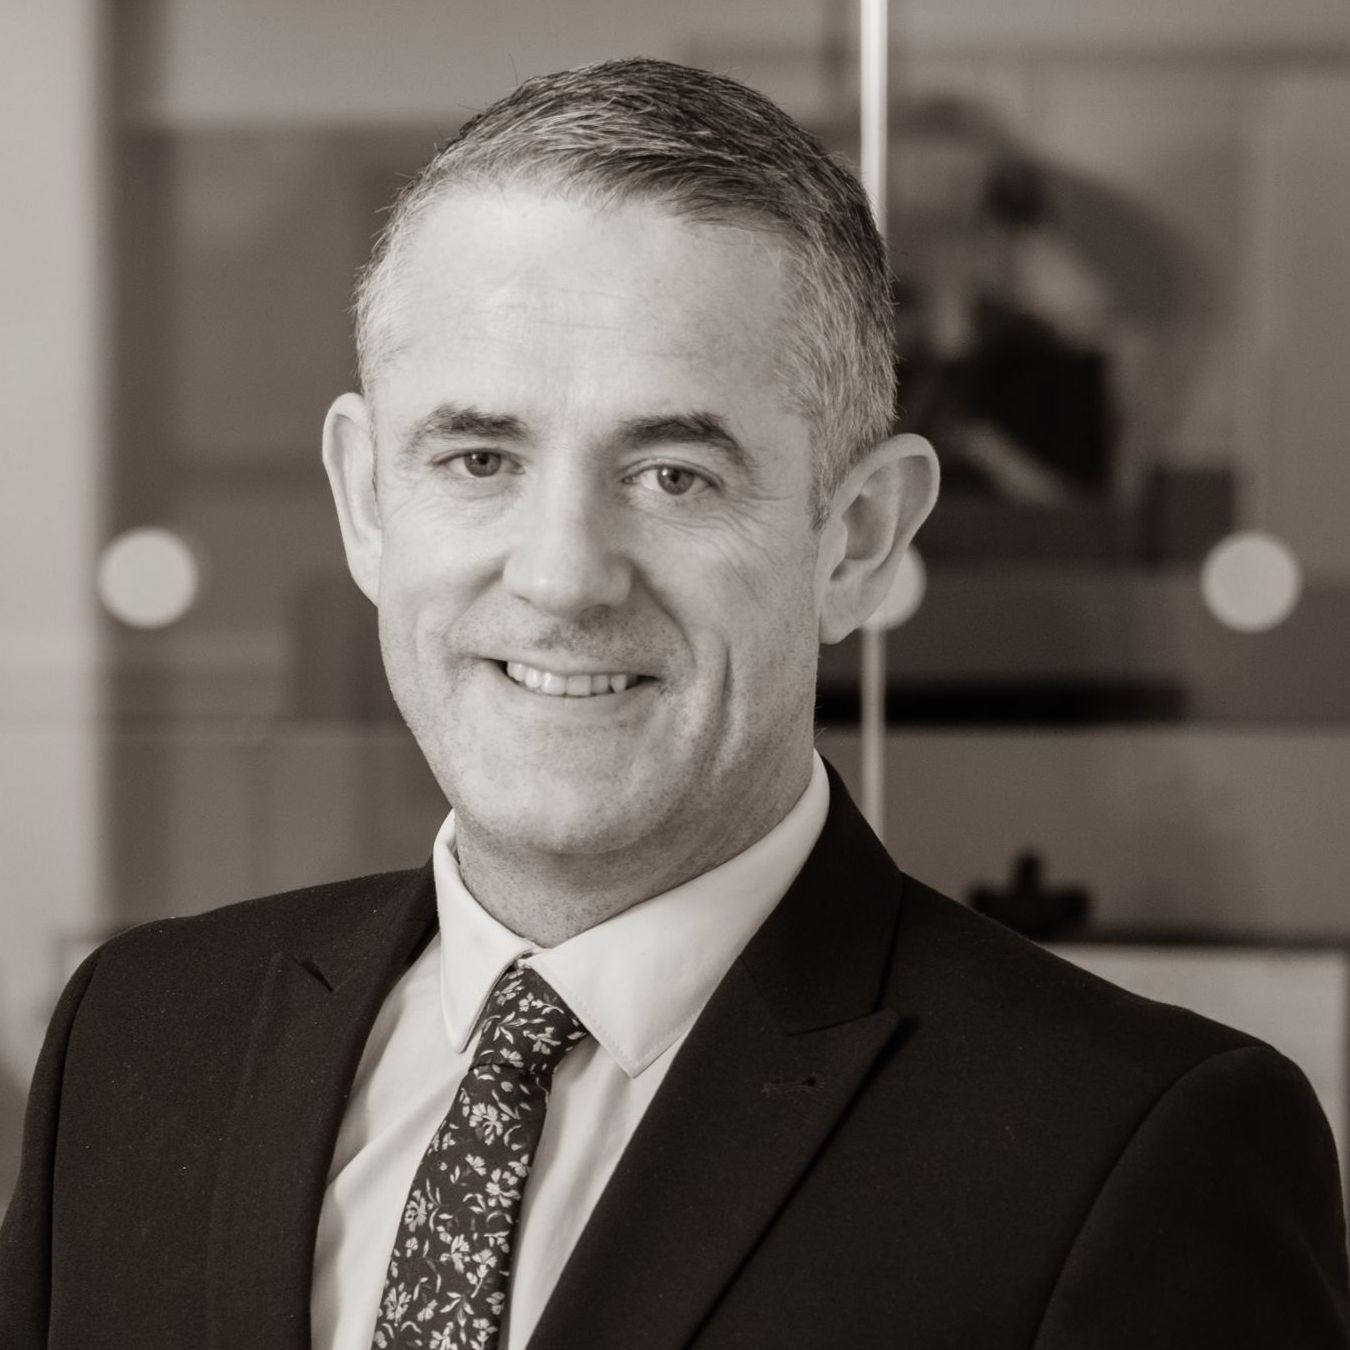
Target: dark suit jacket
[{"x": 895, "y": 1124}]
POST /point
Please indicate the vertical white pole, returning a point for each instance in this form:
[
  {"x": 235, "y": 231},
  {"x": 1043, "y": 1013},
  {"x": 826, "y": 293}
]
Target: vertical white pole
[{"x": 874, "y": 49}]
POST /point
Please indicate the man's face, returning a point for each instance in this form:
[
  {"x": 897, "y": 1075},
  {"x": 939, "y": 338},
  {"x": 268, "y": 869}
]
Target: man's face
[{"x": 587, "y": 467}]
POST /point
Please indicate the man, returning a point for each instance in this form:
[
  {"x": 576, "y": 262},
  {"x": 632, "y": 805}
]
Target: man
[{"x": 659, "y": 1049}]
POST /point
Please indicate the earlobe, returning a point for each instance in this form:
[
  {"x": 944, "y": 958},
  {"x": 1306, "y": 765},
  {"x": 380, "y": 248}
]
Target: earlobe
[
  {"x": 349, "y": 458},
  {"x": 876, "y": 512}
]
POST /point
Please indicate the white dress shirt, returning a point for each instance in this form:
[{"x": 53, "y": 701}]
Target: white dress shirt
[{"x": 638, "y": 981}]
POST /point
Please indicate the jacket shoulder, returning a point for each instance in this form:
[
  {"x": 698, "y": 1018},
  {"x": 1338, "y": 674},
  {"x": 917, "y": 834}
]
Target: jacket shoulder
[
  {"x": 1031, "y": 1083},
  {"x": 248, "y": 929},
  {"x": 991, "y": 987}
]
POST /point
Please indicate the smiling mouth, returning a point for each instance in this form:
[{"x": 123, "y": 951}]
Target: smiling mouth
[{"x": 584, "y": 685}]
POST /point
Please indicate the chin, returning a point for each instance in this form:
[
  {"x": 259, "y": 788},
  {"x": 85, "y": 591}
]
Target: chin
[
  {"x": 548, "y": 811},
  {"x": 578, "y": 827}
]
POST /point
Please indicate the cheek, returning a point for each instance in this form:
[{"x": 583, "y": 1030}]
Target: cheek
[
  {"x": 787, "y": 635},
  {"x": 756, "y": 617},
  {"x": 423, "y": 590}
]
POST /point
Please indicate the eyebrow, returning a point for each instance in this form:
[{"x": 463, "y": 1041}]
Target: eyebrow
[
  {"x": 695, "y": 428},
  {"x": 451, "y": 420}
]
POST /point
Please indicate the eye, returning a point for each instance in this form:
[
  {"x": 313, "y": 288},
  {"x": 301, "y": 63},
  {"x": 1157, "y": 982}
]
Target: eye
[
  {"x": 674, "y": 479},
  {"x": 479, "y": 463}
]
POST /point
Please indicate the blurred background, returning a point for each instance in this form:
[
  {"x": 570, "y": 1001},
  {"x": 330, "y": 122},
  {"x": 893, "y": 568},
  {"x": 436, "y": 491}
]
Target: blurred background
[{"x": 1120, "y": 715}]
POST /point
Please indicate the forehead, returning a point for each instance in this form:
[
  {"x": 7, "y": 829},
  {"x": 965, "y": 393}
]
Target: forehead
[{"x": 550, "y": 295}]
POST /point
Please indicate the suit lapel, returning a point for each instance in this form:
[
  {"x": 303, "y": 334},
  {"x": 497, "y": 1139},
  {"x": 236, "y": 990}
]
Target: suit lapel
[
  {"x": 316, "y": 1006},
  {"x": 776, "y": 1057}
]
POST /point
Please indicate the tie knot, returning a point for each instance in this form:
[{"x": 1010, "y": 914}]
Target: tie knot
[{"x": 527, "y": 1025}]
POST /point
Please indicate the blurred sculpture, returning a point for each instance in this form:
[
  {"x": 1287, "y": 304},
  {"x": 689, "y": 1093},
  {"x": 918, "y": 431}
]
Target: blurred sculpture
[{"x": 1030, "y": 907}]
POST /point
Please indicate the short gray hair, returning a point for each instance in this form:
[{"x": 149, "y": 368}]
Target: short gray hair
[{"x": 711, "y": 150}]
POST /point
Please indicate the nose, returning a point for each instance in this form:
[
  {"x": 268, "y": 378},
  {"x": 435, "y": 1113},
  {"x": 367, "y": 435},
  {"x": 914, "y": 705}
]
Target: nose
[{"x": 566, "y": 558}]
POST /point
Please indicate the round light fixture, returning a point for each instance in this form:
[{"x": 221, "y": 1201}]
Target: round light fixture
[
  {"x": 1251, "y": 581},
  {"x": 148, "y": 577}
]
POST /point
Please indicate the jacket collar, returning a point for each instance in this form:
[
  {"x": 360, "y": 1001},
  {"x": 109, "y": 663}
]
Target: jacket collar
[
  {"x": 389, "y": 918},
  {"x": 821, "y": 957}
]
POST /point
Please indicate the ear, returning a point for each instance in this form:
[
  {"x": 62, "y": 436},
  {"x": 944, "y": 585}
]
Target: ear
[
  {"x": 349, "y": 457},
  {"x": 873, "y": 516}
]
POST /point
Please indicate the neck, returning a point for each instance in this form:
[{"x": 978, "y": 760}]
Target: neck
[{"x": 550, "y": 897}]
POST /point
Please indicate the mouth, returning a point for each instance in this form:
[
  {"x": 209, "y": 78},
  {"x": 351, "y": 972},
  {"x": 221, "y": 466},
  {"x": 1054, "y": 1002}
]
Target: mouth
[{"x": 582, "y": 684}]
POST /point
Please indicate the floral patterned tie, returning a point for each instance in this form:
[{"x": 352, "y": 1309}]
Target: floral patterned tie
[{"x": 446, "y": 1284}]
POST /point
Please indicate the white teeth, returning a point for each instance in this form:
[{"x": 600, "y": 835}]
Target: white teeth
[{"x": 572, "y": 686}]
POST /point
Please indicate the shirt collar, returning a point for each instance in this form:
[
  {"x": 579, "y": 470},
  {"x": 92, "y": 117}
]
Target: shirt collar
[{"x": 639, "y": 979}]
